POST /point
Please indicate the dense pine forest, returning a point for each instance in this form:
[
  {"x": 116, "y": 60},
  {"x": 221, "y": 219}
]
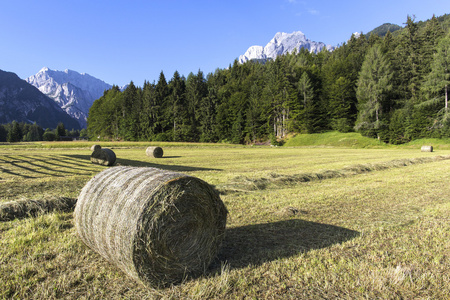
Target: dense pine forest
[{"x": 390, "y": 86}]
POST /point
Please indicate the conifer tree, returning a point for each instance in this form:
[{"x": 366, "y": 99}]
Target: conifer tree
[
  {"x": 176, "y": 109},
  {"x": 158, "y": 107},
  {"x": 60, "y": 130},
  {"x": 130, "y": 113},
  {"x": 3, "y": 133},
  {"x": 373, "y": 83},
  {"x": 208, "y": 112},
  {"x": 408, "y": 56},
  {"x": 437, "y": 83},
  {"x": 340, "y": 108},
  {"x": 149, "y": 115},
  {"x": 305, "y": 113},
  {"x": 14, "y": 133},
  {"x": 256, "y": 126},
  {"x": 196, "y": 90}
]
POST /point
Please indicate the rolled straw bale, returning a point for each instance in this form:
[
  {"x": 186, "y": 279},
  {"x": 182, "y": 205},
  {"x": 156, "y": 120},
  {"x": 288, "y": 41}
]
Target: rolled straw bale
[
  {"x": 156, "y": 152},
  {"x": 104, "y": 157},
  {"x": 157, "y": 226},
  {"x": 95, "y": 147},
  {"x": 426, "y": 149}
]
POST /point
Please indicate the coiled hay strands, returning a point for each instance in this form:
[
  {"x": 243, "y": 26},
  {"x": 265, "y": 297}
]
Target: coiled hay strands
[
  {"x": 104, "y": 157},
  {"x": 426, "y": 149},
  {"x": 157, "y": 226},
  {"x": 156, "y": 152}
]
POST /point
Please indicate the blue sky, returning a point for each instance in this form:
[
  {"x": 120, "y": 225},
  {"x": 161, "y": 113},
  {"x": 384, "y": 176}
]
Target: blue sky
[{"x": 120, "y": 41}]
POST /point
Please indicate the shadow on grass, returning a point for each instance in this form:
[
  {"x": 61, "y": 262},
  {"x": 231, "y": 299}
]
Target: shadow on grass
[
  {"x": 260, "y": 243},
  {"x": 140, "y": 163}
]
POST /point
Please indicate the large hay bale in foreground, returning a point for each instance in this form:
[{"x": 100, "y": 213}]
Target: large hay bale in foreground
[
  {"x": 104, "y": 157},
  {"x": 95, "y": 147},
  {"x": 157, "y": 226},
  {"x": 426, "y": 149},
  {"x": 156, "y": 152}
]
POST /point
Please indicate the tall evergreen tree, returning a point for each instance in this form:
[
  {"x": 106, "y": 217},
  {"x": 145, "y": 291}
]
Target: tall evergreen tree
[
  {"x": 176, "y": 107},
  {"x": 196, "y": 90},
  {"x": 340, "y": 107},
  {"x": 255, "y": 116},
  {"x": 149, "y": 114},
  {"x": 208, "y": 112},
  {"x": 306, "y": 103},
  {"x": 130, "y": 113},
  {"x": 431, "y": 35},
  {"x": 408, "y": 54},
  {"x": 437, "y": 83},
  {"x": 14, "y": 134},
  {"x": 374, "y": 82},
  {"x": 161, "y": 124},
  {"x": 3, "y": 133},
  {"x": 60, "y": 130}
]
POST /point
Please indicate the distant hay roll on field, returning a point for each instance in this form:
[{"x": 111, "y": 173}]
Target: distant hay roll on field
[
  {"x": 95, "y": 147},
  {"x": 426, "y": 149},
  {"x": 157, "y": 226},
  {"x": 156, "y": 152},
  {"x": 104, "y": 157}
]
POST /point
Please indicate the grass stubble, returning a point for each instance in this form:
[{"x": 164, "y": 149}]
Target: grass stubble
[{"x": 379, "y": 234}]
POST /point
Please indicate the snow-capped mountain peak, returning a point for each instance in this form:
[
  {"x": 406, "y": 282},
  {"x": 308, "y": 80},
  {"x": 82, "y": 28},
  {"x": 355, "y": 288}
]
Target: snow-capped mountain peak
[
  {"x": 283, "y": 43},
  {"x": 74, "y": 92}
]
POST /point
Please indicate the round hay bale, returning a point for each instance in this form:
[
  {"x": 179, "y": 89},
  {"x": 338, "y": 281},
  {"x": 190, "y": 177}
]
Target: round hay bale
[
  {"x": 156, "y": 152},
  {"x": 104, "y": 157},
  {"x": 157, "y": 226},
  {"x": 426, "y": 149},
  {"x": 95, "y": 147}
]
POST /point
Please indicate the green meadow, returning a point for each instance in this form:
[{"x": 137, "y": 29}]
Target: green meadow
[{"x": 344, "y": 218}]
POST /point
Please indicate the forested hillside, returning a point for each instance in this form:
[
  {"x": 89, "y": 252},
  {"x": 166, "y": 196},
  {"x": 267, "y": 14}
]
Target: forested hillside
[{"x": 392, "y": 87}]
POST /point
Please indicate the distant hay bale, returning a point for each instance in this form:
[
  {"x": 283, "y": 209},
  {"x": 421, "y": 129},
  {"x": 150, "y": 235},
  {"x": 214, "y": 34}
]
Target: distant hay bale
[
  {"x": 104, "y": 157},
  {"x": 157, "y": 226},
  {"x": 95, "y": 147},
  {"x": 156, "y": 152},
  {"x": 32, "y": 208},
  {"x": 426, "y": 149}
]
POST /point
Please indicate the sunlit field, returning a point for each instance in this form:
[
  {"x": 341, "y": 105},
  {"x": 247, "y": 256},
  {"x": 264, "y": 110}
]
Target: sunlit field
[{"x": 303, "y": 223}]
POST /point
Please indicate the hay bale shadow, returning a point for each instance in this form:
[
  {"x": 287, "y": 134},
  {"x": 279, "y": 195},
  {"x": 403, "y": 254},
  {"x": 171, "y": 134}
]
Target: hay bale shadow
[
  {"x": 260, "y": 243},
  {"x": 176, "y": 168},
  {"x": 140, "y": 163}
]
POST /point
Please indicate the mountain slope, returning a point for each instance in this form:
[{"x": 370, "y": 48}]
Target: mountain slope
[
  {"x": 383, "y": 29},
  {"x": 22, "y": 102},
  {"x": 283, "y": 43},
  {"x": 74, "y": 92}
]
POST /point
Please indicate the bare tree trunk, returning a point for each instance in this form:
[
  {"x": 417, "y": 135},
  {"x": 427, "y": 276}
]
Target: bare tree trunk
[{"x": 446, "y": 98}]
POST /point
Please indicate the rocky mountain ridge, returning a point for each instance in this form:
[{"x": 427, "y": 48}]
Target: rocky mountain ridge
[
  {"x": 283, "y": 43},
  {"x": 74, "y": 92},
  {"x": 22, "y": 102}
]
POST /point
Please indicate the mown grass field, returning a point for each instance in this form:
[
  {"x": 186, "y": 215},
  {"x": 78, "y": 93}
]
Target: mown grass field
[{"x": 348, "y": 230}]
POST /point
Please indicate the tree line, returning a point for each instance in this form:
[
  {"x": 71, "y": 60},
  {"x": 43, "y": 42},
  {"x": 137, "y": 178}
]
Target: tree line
[
  {"x": 25, "y": 132},
  {"x": 394, "y": 88}
]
